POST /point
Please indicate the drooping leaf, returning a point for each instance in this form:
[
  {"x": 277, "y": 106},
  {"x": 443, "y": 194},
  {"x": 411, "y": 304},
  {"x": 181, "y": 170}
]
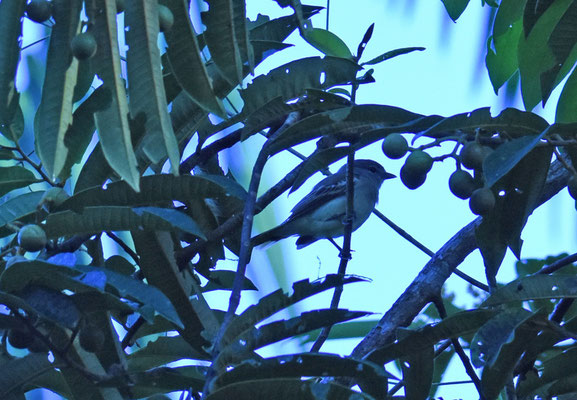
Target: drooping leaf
[
  {"x": 161, "y": 351},
  {"x": 174, "y": 217},
  {"x": 112, "y": 122},
  {"x": 156, "y": 189},
  {"x": 273, "y": 332},
  {"x": 95, "y": 170},
  {"x": 418, "y": 373},
  {"x": 495, "y": 333},
  {"x": 291, "y": 80},
  {"x": 148, "y": 107},
  {"x": 21, "y": 370},
  {"x": 455, "y": 8},
  {"x": 184, "y": 54},
  {"x": 536, "y": 56},
  {"x": 567, "y": 105},
  {"x": 113, "y": 218},
  {"x": 287, "y": 389},
  {"x": 15, "y": 177},
  {"x": 277, "y": 301},
  {"x": 54, "y": 115},
  {"x": 502, "y": 62},
  {"x": 222, "y": 38},
  {"x": 11, "y": 13},
  {"x": 371, "y": 377},
  {"x": 18, "y": 208}
]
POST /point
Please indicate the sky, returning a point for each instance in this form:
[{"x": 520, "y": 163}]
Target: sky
[{"x": 448, "y": 78}]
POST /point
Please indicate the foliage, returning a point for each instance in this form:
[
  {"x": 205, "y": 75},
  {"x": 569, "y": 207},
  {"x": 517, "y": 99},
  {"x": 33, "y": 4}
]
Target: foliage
[{"x": 66, "y": 297}]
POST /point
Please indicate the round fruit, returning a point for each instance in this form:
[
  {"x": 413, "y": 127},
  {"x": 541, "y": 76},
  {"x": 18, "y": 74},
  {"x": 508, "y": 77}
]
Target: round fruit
[
  {"x": 482, "y": 201},
  {"x": 83, "y": 45},
  {"x": 572, "y": 186},
  {"x": 39, "y": 10},
  {"x": 395, "y": 146},
  {"x": 419, "y": 162},
  {"x": 91, "y": 338},
  {"x": 32, "y": 238},
  {"x": 472, "y": 155},
  {"x": 412, "y": 179},
  {"x": 20, "y": 339},
  {"x": 461, "y": 184},
  {"x": 165, "y": 18}
]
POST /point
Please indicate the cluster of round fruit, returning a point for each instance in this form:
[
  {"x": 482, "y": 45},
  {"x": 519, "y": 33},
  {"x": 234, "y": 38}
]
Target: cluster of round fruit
[
  {"x": 461, "y": 183},
  {"x": 84, "y": 45}
]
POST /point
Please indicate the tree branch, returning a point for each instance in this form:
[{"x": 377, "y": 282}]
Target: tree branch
[{"x": 434, "y": 274}]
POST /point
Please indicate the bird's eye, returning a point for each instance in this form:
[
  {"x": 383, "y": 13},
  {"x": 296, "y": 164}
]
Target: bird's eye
[{"x": 373, "y": 169}]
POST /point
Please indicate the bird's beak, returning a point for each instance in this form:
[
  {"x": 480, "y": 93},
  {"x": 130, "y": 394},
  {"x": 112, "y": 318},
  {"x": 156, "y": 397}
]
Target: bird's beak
[{"x": 389, "y": 176}]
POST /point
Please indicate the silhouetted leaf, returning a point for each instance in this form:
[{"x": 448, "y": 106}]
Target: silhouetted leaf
[
  {"x": 15, "y": 177},
  {"x": 327, "y": 43}
]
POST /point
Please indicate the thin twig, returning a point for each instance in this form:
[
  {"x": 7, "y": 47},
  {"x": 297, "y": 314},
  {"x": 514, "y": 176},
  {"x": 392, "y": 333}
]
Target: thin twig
[
  {"x": 124, "y": 247},
  {"x": 345, "y": 253}
]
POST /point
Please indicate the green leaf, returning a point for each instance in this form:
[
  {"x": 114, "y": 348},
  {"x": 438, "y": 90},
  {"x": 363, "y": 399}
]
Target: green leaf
[
  {"x": 566, "y": 111},
  {"x": 15, "y": 177},
  {"x": 223, "y": 39},
  {"x": 161, "y": 351},
  {"x": 223, "y": 280},
  {"x": 54, "y": 115},
  {"x": 290, "y": 80},
  {"x": 418, "y": 373},
  {"x": 455, "y": 8},
  {"x": 21, "y": 370},
  {"x": 327, "y": 43},
  {"x": 536, "y": 56},
  {"x": 371, "y": 377},
  {"x": 184, "y": 54},
  {"x": 502, "y": 63},
  {"x": 273, "y": 332},
  {"x": 148, "y": 107},
  {"x": 95, "y": 170},
  {"x": 174, "y": 217},
  {"x": 459, "y": 324},
  {"x": 286, "y": 389},
  {"x": 112, "y": 122},
  {"x": 157, "y": 263},
  {"x": 535, "y": 287},
  {"x": 519, "y": 189},
  {"x": 277, "y": 301},
  {"x": 493, "y": 335},
  {"x": 392, "y": 54},
  {"x": 497, "y": 164},
  {"x": 11, "y": 13},
  {"x": 156, "y": 190}
]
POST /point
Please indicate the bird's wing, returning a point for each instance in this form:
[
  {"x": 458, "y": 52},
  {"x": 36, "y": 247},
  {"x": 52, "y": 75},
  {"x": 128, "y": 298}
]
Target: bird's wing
[{"x": 325, "y": 191}]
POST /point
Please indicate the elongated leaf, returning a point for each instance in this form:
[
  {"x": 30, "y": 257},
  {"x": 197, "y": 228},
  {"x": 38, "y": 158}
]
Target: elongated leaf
[
  {"x": 95, "y": 171},
  {"x": 15, "y": 177},
  {"x": 19, "y": 371},
  {"x": 418, "y": 373},
  {"x": 290, "y": 80},
  {"x": 502, "y": 63},
  {"x": 286, "y": 389},
  {"x": 222, "y": 39},
  {"x": 112, "y": 122},
  {"x": 277, "y": 301},
  {"x": 273, "y": 332},
  {"x": 455, "y": 8},
  {"x": 391, "y": 54},
  {"x": 111, "y": 218},
  {"x": 145, "y": 84},
  {"x": 494, "y": 334},
  {"x": 346, "y": 122},
  {"x": 456, "y": 325},
  {"x": 156, "y": 251},
  {"x": 567, "y": 105},
  {"x": 184, "y": 53},
  {"x": 161, "y": 351},
  {"x": 327, "y": 43},
  {"x": 10, "y": 30},
  {"x": 19, "y": 207},
  {"x": 156, "y": 189},
  {"x": 497, "y": 164},
  {"x": 307, "y": 364},
  {"x": 174, "y": 217},
  {"x": 536, "y": 56},
  {"x": 54, "y": 115}
]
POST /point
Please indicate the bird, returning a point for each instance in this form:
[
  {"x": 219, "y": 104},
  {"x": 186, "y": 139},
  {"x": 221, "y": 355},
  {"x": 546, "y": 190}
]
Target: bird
[{"x": 321, "y": 213}]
